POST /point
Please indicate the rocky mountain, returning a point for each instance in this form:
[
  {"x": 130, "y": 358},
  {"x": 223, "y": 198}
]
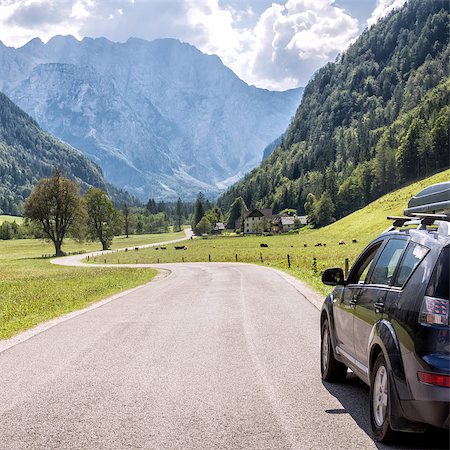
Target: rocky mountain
[
  {"x": 161, "y": 118},
  {"x": 375, "y": 119}
]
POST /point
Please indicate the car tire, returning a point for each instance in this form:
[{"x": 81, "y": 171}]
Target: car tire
[
  {"x": 331, "y": 369},
  {"x": 380, "y": 401}
]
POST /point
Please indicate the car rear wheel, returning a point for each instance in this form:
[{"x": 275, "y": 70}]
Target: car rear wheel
[
  {"x": 331, "y": 369},
  {"x": 380, "y": 400}
]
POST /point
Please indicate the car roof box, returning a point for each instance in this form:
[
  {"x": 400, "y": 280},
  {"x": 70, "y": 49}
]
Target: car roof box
[{"x": 434, "y": 199}]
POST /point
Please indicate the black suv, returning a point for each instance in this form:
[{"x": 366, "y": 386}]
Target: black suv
[{"x": 389, "y": 323}]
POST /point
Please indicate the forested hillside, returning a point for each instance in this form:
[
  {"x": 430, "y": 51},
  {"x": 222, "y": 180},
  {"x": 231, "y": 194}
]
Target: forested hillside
[
  {"x": 27, "y": 154},
  {"x": 375, "y": 119}
]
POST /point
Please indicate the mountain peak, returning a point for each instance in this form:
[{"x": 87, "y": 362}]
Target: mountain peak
[
  {"x": 62, "y": 38},
  {"x": 33, "y": 44}
]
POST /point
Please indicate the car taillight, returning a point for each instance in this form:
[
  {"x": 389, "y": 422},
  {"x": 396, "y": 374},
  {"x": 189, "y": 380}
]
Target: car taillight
[
  {"x": 434, "y": 311},
  {"x": 434, "y": 379}
]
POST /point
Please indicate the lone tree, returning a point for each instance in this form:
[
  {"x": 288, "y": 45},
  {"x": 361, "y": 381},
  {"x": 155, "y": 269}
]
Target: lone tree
[
  {"x": 103, "y": 219},
  {"x": 56, "y": 205}
]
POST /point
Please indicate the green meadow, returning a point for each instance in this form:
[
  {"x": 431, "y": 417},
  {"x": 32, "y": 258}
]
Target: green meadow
[
  {"x": 307, "y": 260},
  {"x": 5, "y": 218},
  {"x": 33, "y": 290}
]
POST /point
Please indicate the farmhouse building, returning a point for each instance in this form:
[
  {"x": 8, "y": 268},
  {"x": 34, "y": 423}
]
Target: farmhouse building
[{"x": 258, "y": 221}]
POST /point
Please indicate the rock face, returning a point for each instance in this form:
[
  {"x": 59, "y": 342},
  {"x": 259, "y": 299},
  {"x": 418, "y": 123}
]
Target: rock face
[{"x": 160, "y": 118}]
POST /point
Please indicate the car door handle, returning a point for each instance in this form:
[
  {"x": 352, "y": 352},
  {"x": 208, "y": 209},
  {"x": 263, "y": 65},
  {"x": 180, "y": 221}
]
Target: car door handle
[{"x": 379, "y": 306}]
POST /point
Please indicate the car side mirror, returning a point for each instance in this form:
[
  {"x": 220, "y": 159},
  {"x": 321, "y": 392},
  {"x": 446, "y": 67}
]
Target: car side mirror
[{"x": 333, "y": 277}]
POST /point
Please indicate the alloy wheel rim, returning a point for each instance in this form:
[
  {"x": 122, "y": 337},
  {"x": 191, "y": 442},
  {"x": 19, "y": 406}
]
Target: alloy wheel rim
[
  {"x": 325, "y": 349},
  {"x": 380, "y": 396}
]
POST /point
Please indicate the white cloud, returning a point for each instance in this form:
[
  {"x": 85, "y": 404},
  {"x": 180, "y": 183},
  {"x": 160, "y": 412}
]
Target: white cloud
[
  {"x": 278, "y": 47},
  {"x": 383, "y": 8}
]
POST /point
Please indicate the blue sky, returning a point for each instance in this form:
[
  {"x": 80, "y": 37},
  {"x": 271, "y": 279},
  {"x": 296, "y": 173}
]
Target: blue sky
[{"x": 274, "y": 44}]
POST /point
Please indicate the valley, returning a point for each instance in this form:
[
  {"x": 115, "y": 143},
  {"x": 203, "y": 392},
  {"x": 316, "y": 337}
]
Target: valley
[
  {"x": 175, "y": 180},
  {"x": 160, "y": 118}
]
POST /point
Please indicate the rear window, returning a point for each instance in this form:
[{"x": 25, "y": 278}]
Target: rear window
[
  {"x": 387, "y": 262},
  {"x": 439, "y": 283},
  {"x": 412, "y": 258}
]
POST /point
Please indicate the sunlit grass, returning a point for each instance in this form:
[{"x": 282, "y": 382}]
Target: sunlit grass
[{"x": 5, "y": 218}]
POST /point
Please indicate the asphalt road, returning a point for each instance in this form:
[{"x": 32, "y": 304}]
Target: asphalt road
[{"x": 212, "y": 356}]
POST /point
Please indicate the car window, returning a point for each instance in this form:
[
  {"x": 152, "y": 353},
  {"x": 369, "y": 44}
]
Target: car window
[
  {"x": 359, "y": 273},
  {"x": 387, "y": 262},
  {"x": 413, "y": 256},
  {"x": 440, "y": 283}
]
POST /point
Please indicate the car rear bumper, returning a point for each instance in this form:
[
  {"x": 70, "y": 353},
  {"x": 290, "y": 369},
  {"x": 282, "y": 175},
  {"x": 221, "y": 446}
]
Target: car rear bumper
[{"x": 430, "y": 412}]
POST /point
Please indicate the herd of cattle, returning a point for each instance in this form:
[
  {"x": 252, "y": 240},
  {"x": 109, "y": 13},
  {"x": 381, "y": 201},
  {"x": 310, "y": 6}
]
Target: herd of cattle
[{"x": 319, "y": 244}]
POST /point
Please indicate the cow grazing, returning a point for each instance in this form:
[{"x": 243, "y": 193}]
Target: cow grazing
[
  {"x": 354, "y": 241},
  {"x": 180, "y": 247},
  {"x": 163, "y": 248},
  {"x": 263, "y": 245},
  {"x": 341, "y": 242},
  {"x": 305, "y": 245},
  {"x": 319, "y": 244}
]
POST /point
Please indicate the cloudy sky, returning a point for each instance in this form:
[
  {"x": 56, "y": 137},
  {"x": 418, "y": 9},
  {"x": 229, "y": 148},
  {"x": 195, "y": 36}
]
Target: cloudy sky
[{"x": 275, "y": 44}]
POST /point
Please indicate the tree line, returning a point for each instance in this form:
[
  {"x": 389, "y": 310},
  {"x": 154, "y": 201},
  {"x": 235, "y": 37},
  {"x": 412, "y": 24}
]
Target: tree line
[{"x": 55, "y": 210}]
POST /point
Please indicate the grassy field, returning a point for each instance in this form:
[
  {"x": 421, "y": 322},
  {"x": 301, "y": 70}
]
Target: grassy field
[
  {"x": 363, "y": 226},
  {"x": 4, "y": 218},
  {"x": 33, "y": 290}
]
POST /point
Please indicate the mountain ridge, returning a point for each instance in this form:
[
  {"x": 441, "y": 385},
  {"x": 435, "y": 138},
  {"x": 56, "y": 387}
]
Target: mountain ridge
[{"x": 160, "y": 117}]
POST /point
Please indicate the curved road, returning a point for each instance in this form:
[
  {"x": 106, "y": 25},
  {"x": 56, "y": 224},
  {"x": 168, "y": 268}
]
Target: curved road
[{"x": 208, "y": 356}]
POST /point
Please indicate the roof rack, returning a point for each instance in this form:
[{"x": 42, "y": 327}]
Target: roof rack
[{"x": 422, "y": 220}]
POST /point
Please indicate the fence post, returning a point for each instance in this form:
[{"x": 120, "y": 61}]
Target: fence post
[
  {"x": 236, "y": 257},
  {"x": 182, "y": 258},
  {"x": 314, "y": 265},
  {"x": 157, "y": 261},
  {"x": 209, "y": 258},
  {"x": 260, "y": 255},
  {"x": 346, "y": 267},
  {"x": 289, "y": 261}
]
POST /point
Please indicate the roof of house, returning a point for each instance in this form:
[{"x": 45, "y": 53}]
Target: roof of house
[
  {"x": 219, "y": 226},
  {"x": 261, "y": 212}
]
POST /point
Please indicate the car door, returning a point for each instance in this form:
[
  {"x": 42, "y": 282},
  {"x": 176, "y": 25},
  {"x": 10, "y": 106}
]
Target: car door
[
  {"x": 343, "y": 309},
  {"x": 370, "y": 301}
]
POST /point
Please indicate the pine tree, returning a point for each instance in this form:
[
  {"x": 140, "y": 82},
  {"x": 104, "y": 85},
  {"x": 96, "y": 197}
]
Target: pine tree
[
  {"x": 237, "y": 209},
  {"x": 199, "y": 210},
  {"x": 178, "y": 214}
]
